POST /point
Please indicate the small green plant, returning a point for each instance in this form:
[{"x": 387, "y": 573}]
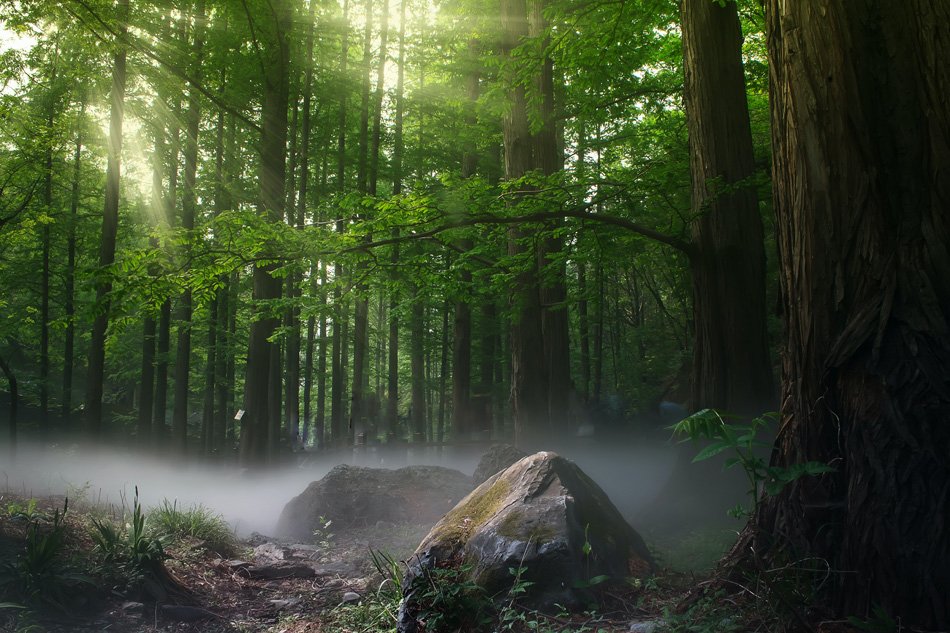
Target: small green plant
[
  {"x": 449, "y": 600},
  {"x": 28, "y": 511},
  {"x": 40, "y": 577},
  {"x": 128, "y": 553},
  {"x": 741, "y": 438},
  {"x": 323, "y": 537},
  {"x": 169, "y": 521}
]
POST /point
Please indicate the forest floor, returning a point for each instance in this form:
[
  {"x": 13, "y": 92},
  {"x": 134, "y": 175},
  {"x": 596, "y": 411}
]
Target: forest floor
[{"x": 224, "y": 591}]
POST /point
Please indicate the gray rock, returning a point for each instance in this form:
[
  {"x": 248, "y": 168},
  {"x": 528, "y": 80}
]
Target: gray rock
[
  {"x": 270, "y": 551},
  {"x": 355, "y": 496},
  {"x": 350, "y": 597},
  {"x": 133, "y": 607},
  {"x": 285, "y": 603},
  {"x": 497, "y": 458},
  {"x": 646, "y": 626},
  {"x": 542, "y": 514}
]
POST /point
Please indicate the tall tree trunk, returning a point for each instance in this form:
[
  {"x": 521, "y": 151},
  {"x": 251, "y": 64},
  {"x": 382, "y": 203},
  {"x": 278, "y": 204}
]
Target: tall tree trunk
[
  {"x": 95, "y": 376},
  {"x": 583, "y": 325},
  {"x": 860, "y": 134},
  {"x": 70, "y": 273},
  {"x": 731, "y": 368},
  {"x": 378, "y": 99},
  {"x": 529, "y": 393},
  {"x": 337, "y": 364},
  {"x": 262, "y": 385},
  {"x": 417, "y": 408},
  {"x": 321, "y": 423},
  {"x": 552, "y": 288},
  {"x": 45, "y": 272},
  {"x": 189, "y": 201},
  {"x": 392, "y": 383},
  {"x": 291, "y": 414}
]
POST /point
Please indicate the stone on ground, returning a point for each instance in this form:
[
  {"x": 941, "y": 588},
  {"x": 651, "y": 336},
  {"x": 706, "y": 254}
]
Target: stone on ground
[
  {"x": 542, "y": 514},
  {"x": 356, "y": 496},
  {"x": 497, "y": 458}
]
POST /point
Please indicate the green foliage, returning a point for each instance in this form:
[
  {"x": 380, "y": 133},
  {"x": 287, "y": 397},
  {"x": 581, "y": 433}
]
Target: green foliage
[
  {"x": 450, "y": 600},
  {"x": 128, "y": 554},
  {"x": 323, "y": 537},
  {"x": 40, "y": 577},
  {"x": 741, "y": 439},
  {"x": 879, "y": 622},
  {"x": 168, "y": 522}
]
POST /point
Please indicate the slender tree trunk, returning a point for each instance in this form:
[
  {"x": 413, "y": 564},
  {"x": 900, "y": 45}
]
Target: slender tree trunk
[
  {"x": 443, "y": 370},
  {"x": 70, "y": 299},
  {"x": 291, "y": 414},
  {"x": 189, "y": 200},
  {"x": 320, "y": 432},
  {"x": 417, "y": 408},
  {"x": 378, "y": 99},
  {"x": 392, "y": 385},
  {"x": 584, "y": 330},
  {"x": 731, "y": 367},
  {"x": 338, "y": 378},
  {"x": 45, "y": 275},
  {"x": 262, "y": 385},
  {"x": 110, "y": 223},
  {"x": 294, "y": 358}
]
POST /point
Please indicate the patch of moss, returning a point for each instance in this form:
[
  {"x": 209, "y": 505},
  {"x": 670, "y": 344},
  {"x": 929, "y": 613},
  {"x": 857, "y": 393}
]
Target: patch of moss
[
  {"x": 516, "y": 527},
  {"x": 462, "y": 520}
]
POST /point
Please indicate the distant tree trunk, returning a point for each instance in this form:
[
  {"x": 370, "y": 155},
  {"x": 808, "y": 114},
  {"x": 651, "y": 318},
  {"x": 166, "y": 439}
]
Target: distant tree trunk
[
  {"x": 548, "y": 156},
  {"x": 14, "y": 403},
  {"x": 321, "y": 422},
  {"x": 301, "y": 219},
  {"x": 45, "y": 272},
  {"x": 486, "y": 390},
  {"x": 189, "y": 201},
  {"x": 70, "y": 273},
  {"x": 207, "y": 406},
  {"x": 262, "y": 386},
  {"x": 291, "y": 414},
  {"x": 337, "y": 364},
  {"x": 110, "y": 223},
  {"x": 860, "y": 135},
  {"x": 597, "y": 355},
  {"x": 378, "y": 99},
  {"x": 443, "y": 370},
  {"x": 731, "y": 367},
  {"x": 583, "y": 327},
  {"x": 463, "y": 423},
  {"x": 417, "y": 408},
  {"x": 392, "y": 384}
]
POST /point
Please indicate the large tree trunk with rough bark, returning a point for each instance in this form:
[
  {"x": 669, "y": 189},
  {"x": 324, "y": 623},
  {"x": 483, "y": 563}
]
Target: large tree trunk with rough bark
[
  {"x": 861, "y": 141},
  {"x": 731, "y": 368}
]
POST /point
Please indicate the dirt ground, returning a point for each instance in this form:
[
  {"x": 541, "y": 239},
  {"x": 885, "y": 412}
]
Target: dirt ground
[{"x": 255, "y": 588}]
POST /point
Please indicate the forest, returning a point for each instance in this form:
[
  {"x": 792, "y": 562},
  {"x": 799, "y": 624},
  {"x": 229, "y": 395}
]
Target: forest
[{"x": 238, "y": 232}]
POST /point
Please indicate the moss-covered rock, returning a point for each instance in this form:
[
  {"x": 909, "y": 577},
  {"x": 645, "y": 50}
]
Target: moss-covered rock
[{"x": 542, "y": 515}]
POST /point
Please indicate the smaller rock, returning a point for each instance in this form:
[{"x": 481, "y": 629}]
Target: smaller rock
[
  {"x": 236, "y": 564},
  {"x": 333, "y": 582},
  {"x": 270, "y": 551},
  {"x": 497, "y": 458},
  {"x": 350, "y": 597},
  {"x": 285, "y": 603},
  {"x": 645, "y": 626},
  {"x": 133, "y": 607}
]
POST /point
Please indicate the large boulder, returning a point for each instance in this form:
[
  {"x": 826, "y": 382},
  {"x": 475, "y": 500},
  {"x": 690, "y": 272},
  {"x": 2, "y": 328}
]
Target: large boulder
[
  {"x": 356, "y": 496},
  {"x": 497, "y": 458},
  {"x": 542, "y": 515}
]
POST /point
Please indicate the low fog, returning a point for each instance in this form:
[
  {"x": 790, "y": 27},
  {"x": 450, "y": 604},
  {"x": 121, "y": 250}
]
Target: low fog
[{"x": 649, "y": 478}]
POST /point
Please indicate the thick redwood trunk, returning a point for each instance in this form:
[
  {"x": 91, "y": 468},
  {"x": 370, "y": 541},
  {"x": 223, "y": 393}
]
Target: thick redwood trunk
[{"x": 861, "y": 141}]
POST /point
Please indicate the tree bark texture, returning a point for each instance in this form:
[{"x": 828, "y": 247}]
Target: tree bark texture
[
  {"x": 861, "y": 141},
  {"x": 731, "y": 368}
]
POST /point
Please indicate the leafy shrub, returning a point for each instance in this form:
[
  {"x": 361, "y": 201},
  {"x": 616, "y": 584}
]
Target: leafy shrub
[{"x": 40, "y": 577}]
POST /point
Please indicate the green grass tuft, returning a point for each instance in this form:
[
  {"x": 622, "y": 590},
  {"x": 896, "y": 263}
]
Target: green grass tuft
[{"x": 168, "y": 520}]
